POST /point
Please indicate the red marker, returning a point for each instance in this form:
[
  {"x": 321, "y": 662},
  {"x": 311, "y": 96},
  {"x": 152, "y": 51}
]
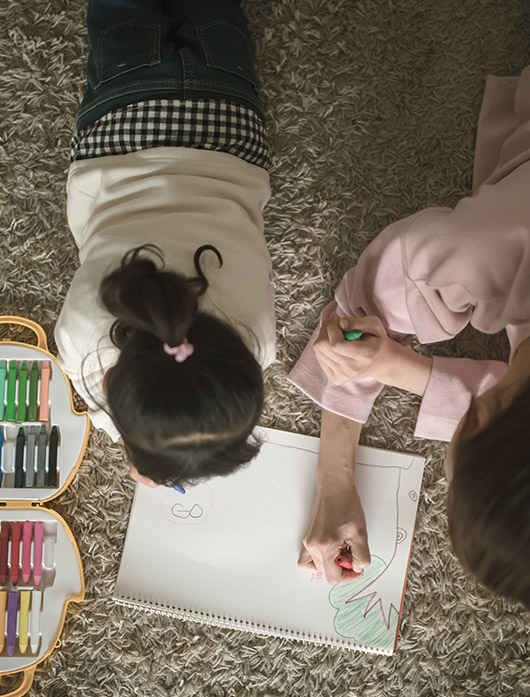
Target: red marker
[
  {"x": 342, "y": 561},
  {"x": 4, "y": 548},
  {"x": 27, "y": 534},
  {"x": 16, "y": 532}
]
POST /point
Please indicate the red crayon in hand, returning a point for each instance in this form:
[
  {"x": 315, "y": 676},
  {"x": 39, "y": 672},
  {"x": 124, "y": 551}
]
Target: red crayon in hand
[{"x": 341, "y": 560}]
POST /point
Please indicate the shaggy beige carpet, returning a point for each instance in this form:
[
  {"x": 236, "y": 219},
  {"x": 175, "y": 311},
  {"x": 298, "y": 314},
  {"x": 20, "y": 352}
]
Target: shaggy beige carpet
[{"x": 372, "y": 109}]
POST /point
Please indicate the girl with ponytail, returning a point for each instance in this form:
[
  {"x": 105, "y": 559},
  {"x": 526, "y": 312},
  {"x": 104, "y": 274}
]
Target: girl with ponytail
[{"x": 169, "y": 320}]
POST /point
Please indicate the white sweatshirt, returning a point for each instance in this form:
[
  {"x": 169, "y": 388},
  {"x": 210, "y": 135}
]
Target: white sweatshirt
[{"x": 177, "y": 199}]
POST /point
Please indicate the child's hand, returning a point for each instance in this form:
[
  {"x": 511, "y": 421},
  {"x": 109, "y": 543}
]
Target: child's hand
[
  {"x": 337, "y": 524},
  {"x": 373, "y": 355}
]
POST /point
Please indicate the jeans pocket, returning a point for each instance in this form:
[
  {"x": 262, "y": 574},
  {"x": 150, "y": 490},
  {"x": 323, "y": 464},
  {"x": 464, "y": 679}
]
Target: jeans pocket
[
  {"x": 127, "y": 46},
  {"x": 228, "y": 48}
]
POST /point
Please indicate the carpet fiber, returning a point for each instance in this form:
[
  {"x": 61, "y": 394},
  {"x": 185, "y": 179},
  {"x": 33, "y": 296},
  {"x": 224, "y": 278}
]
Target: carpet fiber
[{"x": 372, "y": 111}]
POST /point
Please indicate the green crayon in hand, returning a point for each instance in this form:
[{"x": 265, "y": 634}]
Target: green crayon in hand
[{"x": 352, "y": 334}]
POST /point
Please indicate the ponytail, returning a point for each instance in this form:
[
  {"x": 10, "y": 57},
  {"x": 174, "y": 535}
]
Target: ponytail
[
  {"x": 144, "y": 297},
  {"x": 179, "y": 421}
]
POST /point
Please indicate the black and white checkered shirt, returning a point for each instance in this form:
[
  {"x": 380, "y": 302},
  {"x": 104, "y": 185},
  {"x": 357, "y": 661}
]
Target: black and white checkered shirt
[{"x": 190, "y": 123}]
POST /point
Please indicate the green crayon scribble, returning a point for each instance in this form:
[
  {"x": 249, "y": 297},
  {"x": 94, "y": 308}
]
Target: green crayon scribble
[{"x": 353, "y": 621}]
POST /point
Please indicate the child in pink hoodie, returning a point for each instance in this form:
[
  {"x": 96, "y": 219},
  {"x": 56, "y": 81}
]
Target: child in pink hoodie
[{"x": 430, "y": 275}]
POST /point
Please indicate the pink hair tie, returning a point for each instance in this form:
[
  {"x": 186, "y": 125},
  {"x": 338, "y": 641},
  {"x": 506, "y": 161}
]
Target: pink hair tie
[{"x": 180, "y": 352}]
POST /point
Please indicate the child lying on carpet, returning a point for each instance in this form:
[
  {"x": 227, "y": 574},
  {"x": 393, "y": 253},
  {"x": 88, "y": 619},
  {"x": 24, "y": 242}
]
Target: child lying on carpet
[
  {"x": 170, "y": 318},
  {"x": 429, "y": 276}
]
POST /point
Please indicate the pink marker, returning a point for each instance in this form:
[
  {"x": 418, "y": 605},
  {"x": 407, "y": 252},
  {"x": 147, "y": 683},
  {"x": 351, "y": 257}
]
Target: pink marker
[
  {"x": 44, "y": 409},
  {"x": 27, "y": 533},
  {"x": 16, "y": 531},
  {"x": 37, "y": 552}
]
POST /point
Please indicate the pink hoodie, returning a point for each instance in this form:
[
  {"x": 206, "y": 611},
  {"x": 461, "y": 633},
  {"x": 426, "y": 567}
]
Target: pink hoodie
[{"x": 434, "y": 272}]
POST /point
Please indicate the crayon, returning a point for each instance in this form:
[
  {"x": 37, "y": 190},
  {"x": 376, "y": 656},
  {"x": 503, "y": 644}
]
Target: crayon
[
  {"x": 341, "y": 560},
  {"x": 1, "y": 448},
  {"x": 22, "y": 389},
  {"x": 36, "y": 599},
  {"x": 33, "y": 391},
  {"x": 352, "y": 334},
  {"x": 41, "y": 457},
  {"x": 37, "y": 552},
  {"x": 12, "y": 599},
  {"x": 4, "y": 549},
  {"x": 30, "y": 456},
  {"x": 44, "y": 408},
  {"x": 52, "y": 457},
  {"x": 16, "y": 532},
  {"x": 3, "y": 371},
  {"x": 3, "y": 601},
  {"x": 177, "y": 487},
  {"x": 11, "y": 391},
  {"x": 23, "y": 621},
  {"x": 27, "y": 534},
  {"x": 19, "y": 459}
]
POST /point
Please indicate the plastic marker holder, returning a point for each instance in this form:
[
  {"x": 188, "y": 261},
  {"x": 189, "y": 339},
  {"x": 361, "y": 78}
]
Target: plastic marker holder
[{"x": 40, "y": 566}]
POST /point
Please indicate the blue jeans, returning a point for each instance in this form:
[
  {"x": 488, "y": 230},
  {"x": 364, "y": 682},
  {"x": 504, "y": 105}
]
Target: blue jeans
[{"x": 176, "y": 49}]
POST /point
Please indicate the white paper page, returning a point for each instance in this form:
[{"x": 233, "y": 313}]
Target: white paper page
[{"x": 226, "y": 551}]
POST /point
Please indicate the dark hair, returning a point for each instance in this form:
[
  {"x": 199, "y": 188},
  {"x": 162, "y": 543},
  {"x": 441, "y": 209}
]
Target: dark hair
[
  {"x": 179, "y": 421},
  {"x": 489, "y": 500}
]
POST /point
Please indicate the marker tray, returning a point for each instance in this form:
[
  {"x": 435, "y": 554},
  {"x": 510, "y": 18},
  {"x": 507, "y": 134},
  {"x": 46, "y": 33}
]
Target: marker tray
[{"x": 50, "y": 572}]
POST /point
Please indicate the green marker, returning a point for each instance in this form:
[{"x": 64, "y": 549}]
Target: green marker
[
  {"x": 3, "y": 371},
  {"x": 352, "y": 334},
  {"x": 33, "y": 391},
  {"x": 22, "y": 388},
  {"x": 11, "y": 391}
]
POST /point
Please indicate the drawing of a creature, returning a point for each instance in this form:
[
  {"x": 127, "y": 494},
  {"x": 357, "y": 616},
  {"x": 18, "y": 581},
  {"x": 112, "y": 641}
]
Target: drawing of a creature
[{"x": 367, "y": 609}]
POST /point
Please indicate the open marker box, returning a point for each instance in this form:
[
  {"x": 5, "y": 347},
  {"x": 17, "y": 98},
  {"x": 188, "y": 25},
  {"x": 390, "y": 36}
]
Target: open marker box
[{"x": 43, "y": 442}]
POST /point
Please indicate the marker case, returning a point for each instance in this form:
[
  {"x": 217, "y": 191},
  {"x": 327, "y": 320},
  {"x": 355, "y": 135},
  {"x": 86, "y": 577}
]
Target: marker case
[{"x": 62, "y": 579}]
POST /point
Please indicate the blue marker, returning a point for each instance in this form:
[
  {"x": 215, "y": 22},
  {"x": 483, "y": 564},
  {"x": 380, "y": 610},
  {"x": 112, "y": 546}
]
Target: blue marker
[{"x": 178, "y": 488}]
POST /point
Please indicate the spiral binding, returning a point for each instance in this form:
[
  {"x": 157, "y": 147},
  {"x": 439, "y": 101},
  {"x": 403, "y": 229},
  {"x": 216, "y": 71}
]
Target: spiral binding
[{"x": 231, "y": 623}]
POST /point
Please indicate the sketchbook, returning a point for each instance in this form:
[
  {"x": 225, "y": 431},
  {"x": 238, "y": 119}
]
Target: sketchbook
[{"x": 225, "y": 552}]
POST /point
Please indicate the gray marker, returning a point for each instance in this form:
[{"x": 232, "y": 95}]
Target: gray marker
[
  {"x": 30, "y": 456},
  {"x": 41, "y": 457}
]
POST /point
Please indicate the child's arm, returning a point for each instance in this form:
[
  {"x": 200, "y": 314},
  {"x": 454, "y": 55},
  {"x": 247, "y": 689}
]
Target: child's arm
[{"x": 337, "y": 521}]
